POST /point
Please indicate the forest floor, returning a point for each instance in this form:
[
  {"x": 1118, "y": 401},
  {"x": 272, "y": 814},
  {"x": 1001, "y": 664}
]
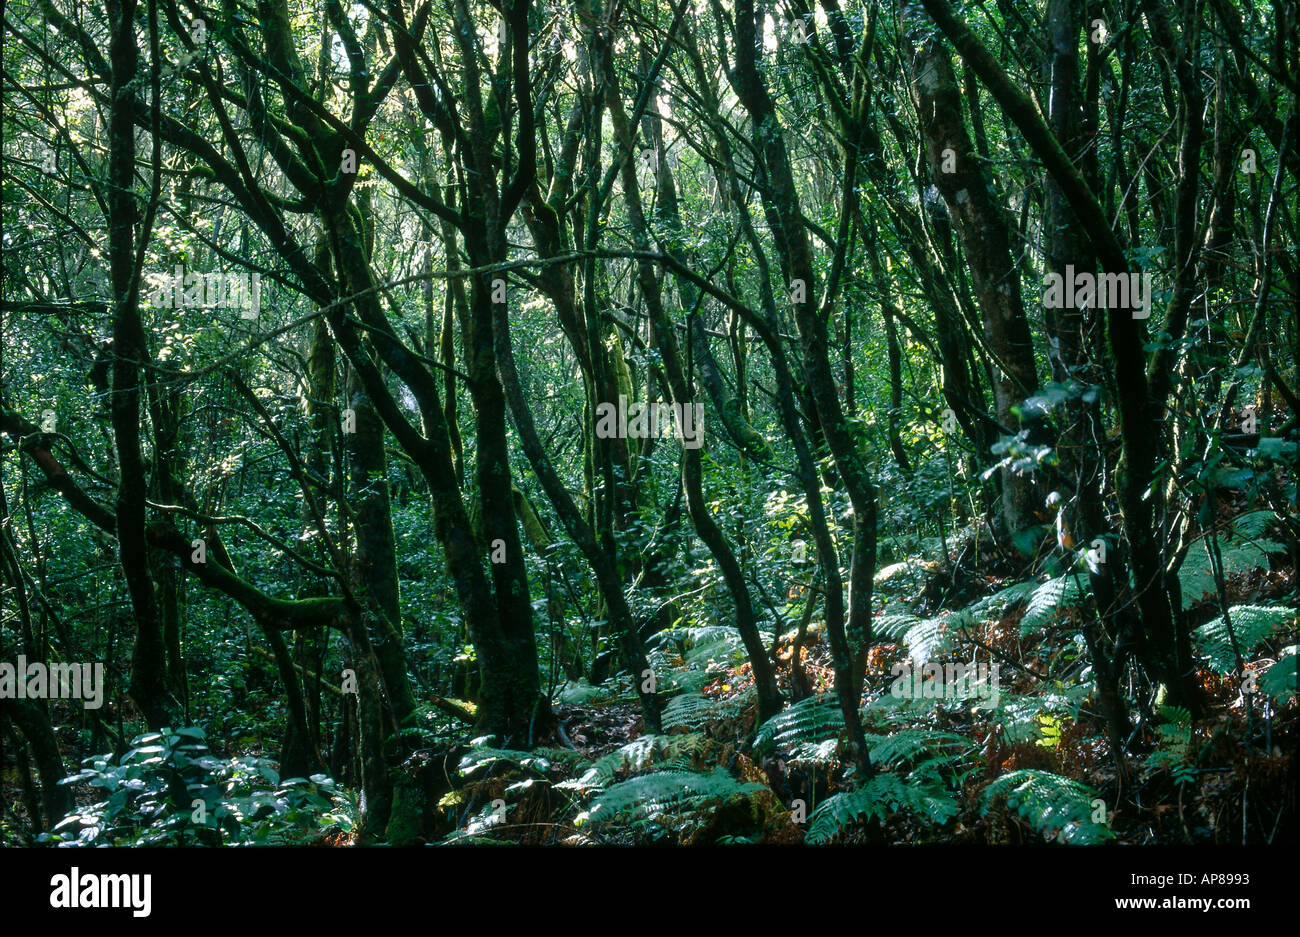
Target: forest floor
[
  {"x": 1029, "y": 764},
  {"x": 1036, "y": 767}
]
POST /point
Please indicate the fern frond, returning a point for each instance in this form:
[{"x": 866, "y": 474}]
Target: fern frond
[
  {"x": 1052, "y": 595},
  {"x": 1244, "y": 548},
  {"x": 816, "y": 753},
  {"x": 883, "y": 795},
  {"x": 731, "y": 707},
  {"x": 993, "y": 607},
  {"x": 909, "y": 745},
  {"x": 893, "y": 627},
  {"x": 581, "y": 692},
  {"x": 1279, "y": 681},
  {"x": 713, "y": 643},
  {"x": 1252, "y": 625},
  {"x": 1017, "y": 715},
  {"x": 1178, "y": 715},
  {"x": 923, "y": 638},
  {"x": 637, "y": 756},
  {"x": 481, "y": 756},
  {"x": 684, "y": 679},
  {"x": 1056, "y": 806},
  {"x": 815, "y": 719},
  {"x": 650, "y": 794},
  {"x": 934, "y": 636},
  {"x": 689, "y": 710}
]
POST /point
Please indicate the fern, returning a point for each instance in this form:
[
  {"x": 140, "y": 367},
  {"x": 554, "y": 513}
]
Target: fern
[
  {"x": 1251, "y": 623},
  {"x": 481, "y": 756},
  {"x": 1279, "y": 681},
  {"x": 894, "y": 627},
  {"x": 1017, "y": 715},
  {"x": 1048, "y": 598},
  {"x": 935, "y": 636},
  {"x": 1244, "y": 548},
  {"x": 910, "y": 745},
  {"x": 901, "y": 577},
  {"x": 688, "y": 710},
  {"x": 1174, "y": 746},
  {"x": 713, "y": 643},
  {"x": 812, "y": 720},
  {"x": 883, "y": 795},
  {"x": 732, "y": 707},
  {"x": 581, "y": 692},
  {"x": 993, "y": 607},
  {"x": 652, "y": 794},
  {"x": 706, "y": 650},
  {"x": 924, "y": 638},
  {"x": 1056, "y": 806},
  {"x": 638, "y": 755}
]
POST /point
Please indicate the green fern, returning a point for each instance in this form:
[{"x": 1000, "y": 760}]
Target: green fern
[
  {"x": 713, "y": 643},
  {"x": 908, "y": 746},
  {"x": 806, "y": 723},
  {"x": 688, "y": 710},
  {"x": 893, "y": 626},
  {"x": 905, "y": 576},
  {"x": 707, "y": 650},
  {"x": 993, "y": 607},
  {"x": 1017, "y": 716},
  {"x": 481, "y": 756},
  {"x": 637, "y": 756},
  {"x": 652, "y": 794},
  {"x": 1245, "y": 547},
  {"x": 583, "y": 693},
  {"x": 1048, "y": 598},
  {"x": 924, "y": 638},
  {"x": 936, "y": 636},
  {"x": 732, "y": 707},
  {"x": 883, "y": 795},
  {"x": 697, "y": 711},
  {"x": 1251, "y": 623},
  {"x": 1174, "y": 745},
  {"x": 1279, "y": 681},
  {"x": 1056, "y": 806}
]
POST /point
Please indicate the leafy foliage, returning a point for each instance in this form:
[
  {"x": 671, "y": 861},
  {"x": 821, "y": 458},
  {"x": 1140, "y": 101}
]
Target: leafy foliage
[
  {"x": 924, "y": 638},
  {"x": 359, "y": 469},
  {"x": 688, "y": 710},
  {"x": 993, "y": 606},
  {"x": 1252, "y": 625},
  {"x": 1058, "y": 807},
  {"x": 801, "y": 726},
  {"x": 1279, "y": 681},
  {"x": 1174, "y": 749},
  {"x": 882, "y": 796},
  {"x": 651, "y": 794},
  {"x": 1049, "y": 598},
  {"x": 907, "y": 746},
  {"x": 167, "y": 790},
  {"x": 637, "y": 756},
  {"x": 1244, "y": 548},
  {"x": 481, "y": 756}
]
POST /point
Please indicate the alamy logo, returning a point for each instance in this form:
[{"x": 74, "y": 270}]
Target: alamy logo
[
  {"x": 102, "y": 890},
  {"x": 952, "y": 681},
  {"x": 53, "y": 681},
  {"x": 651, "y": 421},
  {"x": 1075, "y": 290},
  {"x": 181, "y": 290}
]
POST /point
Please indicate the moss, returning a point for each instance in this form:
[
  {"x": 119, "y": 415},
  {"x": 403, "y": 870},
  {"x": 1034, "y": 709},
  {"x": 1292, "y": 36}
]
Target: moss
[{"x": 404, "y": 822}]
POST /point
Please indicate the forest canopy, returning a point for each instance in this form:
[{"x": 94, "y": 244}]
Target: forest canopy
[{"x": 648, "y": 421}]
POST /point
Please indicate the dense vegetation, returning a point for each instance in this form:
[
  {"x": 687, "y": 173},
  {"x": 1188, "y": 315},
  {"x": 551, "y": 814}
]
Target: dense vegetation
[{"x": 630, "y": 421}]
